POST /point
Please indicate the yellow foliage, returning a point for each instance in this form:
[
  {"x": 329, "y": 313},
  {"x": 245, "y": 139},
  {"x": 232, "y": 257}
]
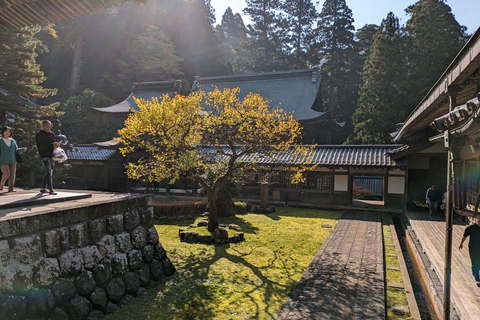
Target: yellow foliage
[{"x": 172, "y": 136}]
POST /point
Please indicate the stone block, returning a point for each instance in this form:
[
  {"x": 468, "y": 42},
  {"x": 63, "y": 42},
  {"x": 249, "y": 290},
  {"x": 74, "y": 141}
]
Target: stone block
[
  {"x": 103, "y": 272},
  {"x": 123, "y": 242},
  {"x": 85, "y": 283},
  {"x": 147, "y": 217},
  {"x": 135, "y": 260},
  {"x": 78, "y": 235},
  {"x": 58, "y": 314},
  {"x": 115, "y": 290},
  {"x": 111, "y": 307},
  {"x": 40, "y": 301},
  {"x": 132, "y": 220},
  {"x": 95, "y": 315},
  {"x": 56, "y": 241},
  {"x": 98, "y": 298},
  {"x": 26, "y": 249},
  {"x": 13, "y": 307},
  {"x": 144, "y": 275},
  {"x": 91, "y": 256},
  {"x": 132, "y": 283},
  {"x": 106, "y": 246},
  {"x": 152, "y": 236},
  {"x": 141, "y": 291},
  {"x": 78, "y": 308},
  {"x": 139, "y": 237},
  {"x": 159, "y": 253},
  {"x": 71, "y": 262},
  {"x": 168, "y": 267},
  {"x": 17, "y": 278},
  {"x": 156, "y": 270},
  {"x": 5, "y": 258},
  {"x": 63, "y": 290},
  {"x": 97, "y": 229},
  {"x": 115, "y": 224},
  {"x": 126, "y": 299},
  {"x": 119, "y": 264},
  {"x": 46, "y": 271},
  {"x": 220, "y": 236},
  {"x": 147, "y": 253}
]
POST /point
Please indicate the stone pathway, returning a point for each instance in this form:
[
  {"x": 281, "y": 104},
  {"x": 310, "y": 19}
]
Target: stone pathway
[{"x": 345, "y": 279}]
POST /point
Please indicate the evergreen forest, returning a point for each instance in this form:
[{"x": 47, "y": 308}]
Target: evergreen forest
[{"x": 373, "y": 77}]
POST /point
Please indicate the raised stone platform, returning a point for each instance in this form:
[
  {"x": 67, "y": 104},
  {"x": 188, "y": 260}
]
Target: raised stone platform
[{"x": 77, "y": 259}]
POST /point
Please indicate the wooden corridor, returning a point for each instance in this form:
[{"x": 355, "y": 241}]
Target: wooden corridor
[
  {"x": 346, "y": 277},
  {"x": 430, "y": 231}
]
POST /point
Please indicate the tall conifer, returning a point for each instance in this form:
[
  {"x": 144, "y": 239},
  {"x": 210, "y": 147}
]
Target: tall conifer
[
  {"x": 263, "y": 32},
  {"x": 381, "y": 103},
  {"x": 337, "y": 55},
  {"x": 298, "y": 22},
  {"x": 435, "y": 38}
]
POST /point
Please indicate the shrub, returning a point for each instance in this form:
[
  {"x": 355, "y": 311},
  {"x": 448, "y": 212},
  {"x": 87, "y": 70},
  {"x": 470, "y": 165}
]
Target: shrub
[
  {"x": 361, "y": 192},
  {"x": 172, "y": 210},
  {"x": 240, "y": 207}
]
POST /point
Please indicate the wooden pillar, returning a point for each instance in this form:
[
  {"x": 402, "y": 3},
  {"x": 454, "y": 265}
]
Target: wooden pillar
[
  {"x": 332, "y": 185},
  {"x": 385, "y": 189},
  {"x": 264, "y": 195}
]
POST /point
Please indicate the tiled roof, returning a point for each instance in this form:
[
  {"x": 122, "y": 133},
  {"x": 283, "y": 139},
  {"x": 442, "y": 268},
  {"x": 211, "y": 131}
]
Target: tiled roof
[
  {"x": 331, "y": 155},
  {"x": 297, "y": 91},
  {"x": 146, "y": 91},
  {"x": 89, "y": 152}
]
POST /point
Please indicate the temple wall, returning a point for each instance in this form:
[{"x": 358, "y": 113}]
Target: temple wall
[{"x": 79, "y": 262}]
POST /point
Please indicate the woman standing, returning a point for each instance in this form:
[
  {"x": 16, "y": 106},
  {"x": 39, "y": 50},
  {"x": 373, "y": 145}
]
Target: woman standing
[{"x": 8, "y": 161}]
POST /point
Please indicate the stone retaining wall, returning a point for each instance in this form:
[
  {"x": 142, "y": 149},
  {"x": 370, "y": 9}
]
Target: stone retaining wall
[{"x": 79, "y": 263}]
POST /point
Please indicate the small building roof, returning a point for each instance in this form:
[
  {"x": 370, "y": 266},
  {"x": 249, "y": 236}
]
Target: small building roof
[
  {"x": 21, "y": 13},
  {"x": 297, "y": 91},
  {"x": 89, "y": 152},
  {"x": 146, "y": 91},
  {"x": 331, "y": 155}
]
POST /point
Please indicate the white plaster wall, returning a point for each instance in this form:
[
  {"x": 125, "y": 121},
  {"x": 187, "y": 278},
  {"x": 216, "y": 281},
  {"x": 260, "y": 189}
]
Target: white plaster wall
[
  {"x": 396, "y": 185},
  {"x": 341, "y": 183}
]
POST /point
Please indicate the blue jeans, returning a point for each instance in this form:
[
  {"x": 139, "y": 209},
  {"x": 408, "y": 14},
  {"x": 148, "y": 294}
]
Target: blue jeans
[{"x": 47, "y": 182}]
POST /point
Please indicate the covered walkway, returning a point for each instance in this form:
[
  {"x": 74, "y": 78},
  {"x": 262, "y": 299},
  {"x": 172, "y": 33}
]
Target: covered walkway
[
  {"x": 430, "y": 232},
  {"x": 346, "y": 277}
]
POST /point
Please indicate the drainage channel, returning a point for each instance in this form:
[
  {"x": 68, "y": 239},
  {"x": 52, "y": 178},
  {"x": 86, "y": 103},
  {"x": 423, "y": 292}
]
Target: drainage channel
[{"x": 425, "y": 304}]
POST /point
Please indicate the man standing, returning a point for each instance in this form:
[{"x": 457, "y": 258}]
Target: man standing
[
  {"x": 45, "y": 143},
  {"x": 473, "y": 231},
  {"x": 434, "y": 197}
]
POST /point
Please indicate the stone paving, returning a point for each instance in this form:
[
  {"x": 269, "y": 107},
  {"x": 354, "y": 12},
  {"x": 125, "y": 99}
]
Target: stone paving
[{"x": 346, "y": 277}]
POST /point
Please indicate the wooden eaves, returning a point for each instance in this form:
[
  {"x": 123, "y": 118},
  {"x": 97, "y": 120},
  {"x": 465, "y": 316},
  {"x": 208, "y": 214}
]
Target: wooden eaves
[{"x": 21, "y": 13}]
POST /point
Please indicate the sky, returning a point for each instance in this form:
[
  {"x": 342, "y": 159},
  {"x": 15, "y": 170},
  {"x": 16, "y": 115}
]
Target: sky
[{"x": 373, "y": 11}]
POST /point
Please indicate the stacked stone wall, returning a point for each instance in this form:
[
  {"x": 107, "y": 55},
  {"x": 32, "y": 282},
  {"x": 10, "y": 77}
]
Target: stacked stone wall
[{"x": 80, "y": 263}]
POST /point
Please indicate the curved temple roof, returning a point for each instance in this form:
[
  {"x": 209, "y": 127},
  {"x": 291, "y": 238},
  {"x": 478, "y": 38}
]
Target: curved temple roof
[
  {"x": 21, "y": 13},
  {"x": 297, "y": 91},
  {"x": 146, "y": 91}
]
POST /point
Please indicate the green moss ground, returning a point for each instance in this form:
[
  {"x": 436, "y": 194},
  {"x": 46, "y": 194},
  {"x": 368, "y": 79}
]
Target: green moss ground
[
  {"x": 246, "y": 280},
  {"x": 394, "y": 296}
]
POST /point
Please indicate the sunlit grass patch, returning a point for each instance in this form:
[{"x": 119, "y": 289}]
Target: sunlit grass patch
[{"x": 246, "y": 280}]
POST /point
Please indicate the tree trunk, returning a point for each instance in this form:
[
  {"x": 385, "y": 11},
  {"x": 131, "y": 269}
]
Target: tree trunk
[
  {"x": 225, "y": 205},
  {"x": 77, "y": 61},
  {"x": 212, "y": 209}
]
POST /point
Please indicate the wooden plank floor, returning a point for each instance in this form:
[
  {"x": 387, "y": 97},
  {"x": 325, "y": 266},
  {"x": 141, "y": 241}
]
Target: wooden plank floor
[
  {"x": 430, "y": 231},
  {"x": 345, "y": 279}
]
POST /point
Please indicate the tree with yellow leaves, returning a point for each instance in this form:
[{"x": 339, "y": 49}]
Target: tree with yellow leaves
[{"x": 205, "y": 136}]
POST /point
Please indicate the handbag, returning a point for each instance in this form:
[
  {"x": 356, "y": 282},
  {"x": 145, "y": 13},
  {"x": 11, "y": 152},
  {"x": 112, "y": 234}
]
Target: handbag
[{"x": 18, "y": 157}]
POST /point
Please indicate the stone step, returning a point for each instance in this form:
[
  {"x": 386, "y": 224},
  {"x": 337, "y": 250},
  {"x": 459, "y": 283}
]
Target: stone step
[
  {"x": 395, "y": 285},
  {"x": 390, "y": 255},
  {"x": 400, "y": 309},
  {"x": 393, "y": 268},
  {"x": 389, "y": 245}
]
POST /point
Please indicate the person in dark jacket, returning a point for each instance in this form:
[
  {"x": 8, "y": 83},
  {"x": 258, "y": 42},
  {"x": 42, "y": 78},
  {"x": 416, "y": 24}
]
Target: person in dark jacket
[
  {"x": 45, "y": 143},
  {"x": 473, "y": 231},
  {"x": 433, "y": 199}
]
